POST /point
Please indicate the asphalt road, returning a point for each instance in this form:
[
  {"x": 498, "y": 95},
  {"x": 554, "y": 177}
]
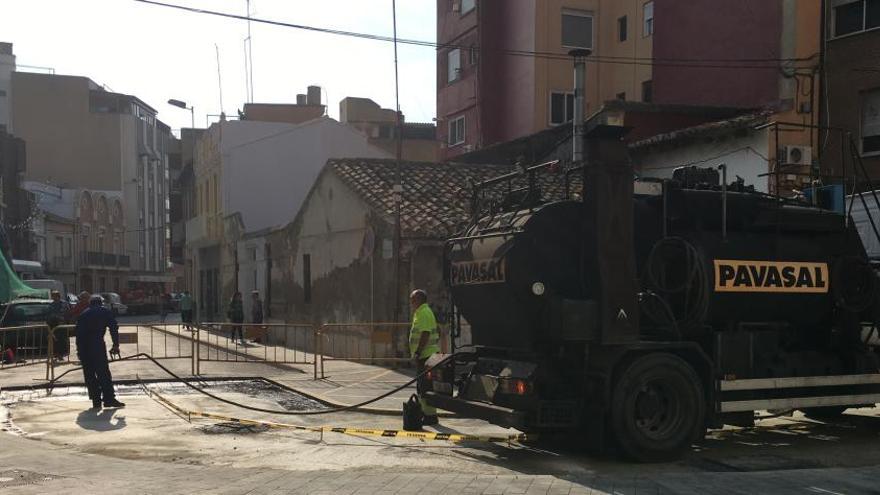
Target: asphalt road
[{"x": 56, "y": 444}]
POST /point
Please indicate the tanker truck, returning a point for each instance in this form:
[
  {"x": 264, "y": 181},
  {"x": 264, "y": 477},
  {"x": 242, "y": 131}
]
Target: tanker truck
[{"x": 641, "y": 313}]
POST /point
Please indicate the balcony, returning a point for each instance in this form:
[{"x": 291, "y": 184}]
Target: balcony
[{"x": 105, "y": 260}]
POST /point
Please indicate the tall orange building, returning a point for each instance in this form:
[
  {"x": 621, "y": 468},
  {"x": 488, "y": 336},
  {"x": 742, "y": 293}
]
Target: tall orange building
[{"x": 503, "y": 70}]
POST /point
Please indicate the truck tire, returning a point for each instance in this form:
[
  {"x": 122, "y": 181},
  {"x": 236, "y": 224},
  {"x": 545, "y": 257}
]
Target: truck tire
[{"x": 658, "y": 407}]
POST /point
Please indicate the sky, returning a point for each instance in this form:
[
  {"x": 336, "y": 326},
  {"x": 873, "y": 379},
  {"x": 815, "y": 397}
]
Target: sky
[{"x": 157, "y": 53}]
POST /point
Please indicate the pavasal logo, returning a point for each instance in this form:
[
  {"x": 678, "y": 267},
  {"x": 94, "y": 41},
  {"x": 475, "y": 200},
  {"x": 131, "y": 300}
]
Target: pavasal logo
[
  {"x": 488, "y": 271},
  {"x": 770, "y": 276}
]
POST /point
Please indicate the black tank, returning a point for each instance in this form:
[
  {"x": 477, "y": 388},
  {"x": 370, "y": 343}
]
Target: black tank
[{"x": 779, "y": 265}]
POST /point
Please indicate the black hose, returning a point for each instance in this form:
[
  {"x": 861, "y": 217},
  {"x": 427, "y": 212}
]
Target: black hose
[
  {"x": 693, "y": 283},
  {"x": 260, "y": 409},
  {"x": 669, "y": 315}
]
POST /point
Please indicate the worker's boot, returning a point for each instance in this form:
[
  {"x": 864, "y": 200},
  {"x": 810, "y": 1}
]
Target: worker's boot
[
  {"x": 113, "y": 403},
  {"x": 96, "y": 404}
]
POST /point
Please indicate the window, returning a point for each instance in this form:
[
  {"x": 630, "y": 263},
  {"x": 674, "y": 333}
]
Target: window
[
  {"x": 577, "y": 29},
  {"x": 307, "y": 278},
  {"x": 854, "y": 16},
  {"x": 648, "y": 11},
  {"x": 621, "y": 96},
  {"x": 561, "y": 108},
  {"x": 870, "y": 129},
  {"x": 621, "y": 29},
  {"x": 467, "y": 6},
  {"x": 647, "y": 91},
  {"x": 473, "y": 55},
  {"x": 456, "y": 131},
  {"x": 453, "y": 65}
]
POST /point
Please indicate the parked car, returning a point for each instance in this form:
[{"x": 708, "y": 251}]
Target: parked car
[{"x": 113, "y": 302}]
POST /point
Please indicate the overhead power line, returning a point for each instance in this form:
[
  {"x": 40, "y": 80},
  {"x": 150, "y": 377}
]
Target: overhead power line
[{"x": 739, "y": 63}]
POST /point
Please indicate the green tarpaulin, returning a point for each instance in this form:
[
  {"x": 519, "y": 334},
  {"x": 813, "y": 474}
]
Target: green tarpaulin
[{"x": 11, "y": 287}]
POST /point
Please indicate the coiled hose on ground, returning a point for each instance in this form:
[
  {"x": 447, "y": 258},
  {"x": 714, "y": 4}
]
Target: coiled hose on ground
[{"x": 260, "y": 409}]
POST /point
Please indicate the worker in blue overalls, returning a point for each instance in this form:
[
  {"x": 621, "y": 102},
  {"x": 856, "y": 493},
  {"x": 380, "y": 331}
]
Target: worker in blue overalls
[{"x": 91, "y": 326}]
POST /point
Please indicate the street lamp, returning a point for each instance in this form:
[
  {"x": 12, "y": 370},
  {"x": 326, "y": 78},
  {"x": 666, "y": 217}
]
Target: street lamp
[
  {"x": 192, "y": 112},
  {"x": 181, "y": 104}
]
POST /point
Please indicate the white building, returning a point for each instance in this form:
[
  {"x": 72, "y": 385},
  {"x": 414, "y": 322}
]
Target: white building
[
  {"x": 734, "y": 142},
  {"x": 260, "y": 172}
]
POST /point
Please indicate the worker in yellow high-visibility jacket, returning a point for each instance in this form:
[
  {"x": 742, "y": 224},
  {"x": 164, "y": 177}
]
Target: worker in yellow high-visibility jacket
[{"x": 424, "y": 341}]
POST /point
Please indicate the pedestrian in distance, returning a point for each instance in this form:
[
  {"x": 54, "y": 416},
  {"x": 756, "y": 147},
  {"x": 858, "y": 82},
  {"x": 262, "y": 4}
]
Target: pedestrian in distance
[
  {"x": 424, "y": 342},
  {"x": 257, "y": 315},
  {"x": 235, "y": 313},
  {"x": 164, "y": 306},
  {"x": 186, "y": 309},
  {"x": 91, "y": 327},
  {"x": 82, "y": 303},
  {"x": 58, "y": 309}
]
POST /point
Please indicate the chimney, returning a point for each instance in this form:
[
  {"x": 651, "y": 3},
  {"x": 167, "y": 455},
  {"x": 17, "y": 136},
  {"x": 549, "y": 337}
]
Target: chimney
[
  {"x": 300, "y": 99},
  {"x": 314, "y": 97}
]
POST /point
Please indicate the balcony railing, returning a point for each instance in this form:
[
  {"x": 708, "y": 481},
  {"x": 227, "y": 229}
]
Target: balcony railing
[{"x": 105, "y": 260}]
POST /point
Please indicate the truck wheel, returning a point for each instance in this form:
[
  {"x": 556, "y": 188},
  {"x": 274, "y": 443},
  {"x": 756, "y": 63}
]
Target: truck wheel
[
  {"x": 824, "y": 413},
  {"x": 658, "y": 407}
]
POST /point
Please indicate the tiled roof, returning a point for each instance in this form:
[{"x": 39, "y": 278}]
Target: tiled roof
[
  {"x": 436, "y": 196},
  {"x": 746, "y": 121}
]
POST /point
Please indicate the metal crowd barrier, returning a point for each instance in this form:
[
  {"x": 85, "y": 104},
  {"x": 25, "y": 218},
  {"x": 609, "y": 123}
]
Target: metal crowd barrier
[
  {"x": 281, "y": 343},
  {"x": 369, "y": 341},
  {"x": 24, "y": 345}
]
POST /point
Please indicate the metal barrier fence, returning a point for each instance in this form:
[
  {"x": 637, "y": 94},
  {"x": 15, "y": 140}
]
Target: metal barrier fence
[
  {"x": 372, "y": 342},
  {"x": 281, "y": 343},
  {"x": 23, "y": 345},
  {"x": 42, "y": 344}
]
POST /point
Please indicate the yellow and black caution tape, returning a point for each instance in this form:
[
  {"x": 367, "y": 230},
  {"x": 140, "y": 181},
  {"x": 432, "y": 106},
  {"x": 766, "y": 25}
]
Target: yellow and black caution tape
[{"x": 358, "y": 432}]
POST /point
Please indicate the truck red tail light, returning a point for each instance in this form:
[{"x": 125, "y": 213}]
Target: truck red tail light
[{"x": 515, "y": 386}]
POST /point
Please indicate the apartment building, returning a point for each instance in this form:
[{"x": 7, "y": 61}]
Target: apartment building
[
  {"x": 80, "y": 236},
  {"x": 418, "y": 140},
  {"x": 81, "y": 136},
  {"x": 852, "y": 85},
  {"x": 504, "y": 72},
  {"x": 7, "y": 67},
  {"x": 17, "y": 206}
]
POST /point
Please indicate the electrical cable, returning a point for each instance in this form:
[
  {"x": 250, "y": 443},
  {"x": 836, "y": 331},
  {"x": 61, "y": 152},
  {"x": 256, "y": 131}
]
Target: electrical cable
[
  {"x": 671, "y": 62},
  {"x": 186, "y": 382}
]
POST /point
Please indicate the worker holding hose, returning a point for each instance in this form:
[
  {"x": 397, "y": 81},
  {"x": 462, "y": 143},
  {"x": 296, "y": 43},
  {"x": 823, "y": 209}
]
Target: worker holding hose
[
  {"x": 424, "y": 341},
  {"x": 90, "y": 328}
]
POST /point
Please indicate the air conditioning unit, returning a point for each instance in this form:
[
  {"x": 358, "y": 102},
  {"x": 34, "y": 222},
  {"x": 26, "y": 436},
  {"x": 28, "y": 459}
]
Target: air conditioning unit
[{"x": 798, "y": 155}]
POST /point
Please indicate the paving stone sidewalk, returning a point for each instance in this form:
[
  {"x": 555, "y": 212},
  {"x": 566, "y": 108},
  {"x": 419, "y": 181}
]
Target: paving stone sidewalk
[{"x": 32, "y": 467}]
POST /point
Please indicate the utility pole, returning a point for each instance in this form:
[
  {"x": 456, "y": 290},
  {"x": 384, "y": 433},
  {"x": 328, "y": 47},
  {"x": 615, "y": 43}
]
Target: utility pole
[{"x": 398, "y": 184}]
